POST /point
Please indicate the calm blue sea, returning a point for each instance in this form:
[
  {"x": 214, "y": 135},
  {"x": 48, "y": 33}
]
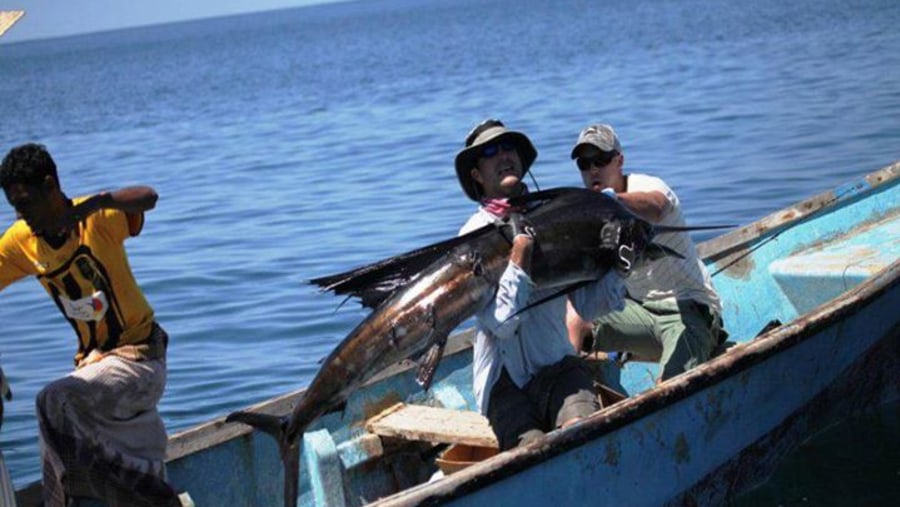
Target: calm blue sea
[{"x": 297, "y": 143}]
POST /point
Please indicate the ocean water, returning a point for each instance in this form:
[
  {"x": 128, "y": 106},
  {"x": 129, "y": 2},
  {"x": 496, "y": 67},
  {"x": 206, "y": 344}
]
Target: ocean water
[
  {"x": 293, "y": 144},
  {"x": 855, "y": 462}
]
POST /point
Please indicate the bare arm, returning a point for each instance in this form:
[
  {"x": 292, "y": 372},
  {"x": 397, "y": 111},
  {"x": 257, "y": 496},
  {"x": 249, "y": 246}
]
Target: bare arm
[
  {"x": 132, "y": 200},
  {"x": 520, "y": 254},
  {"x": 650, "y": 206},
  {"x": 513, "y": 291},
  {"x": 577, "y": 327},
  {"x": 128, "y": 199}
]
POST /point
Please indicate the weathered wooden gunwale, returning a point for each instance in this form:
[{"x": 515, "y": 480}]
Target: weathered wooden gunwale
[{"x": 735, "y": 243}]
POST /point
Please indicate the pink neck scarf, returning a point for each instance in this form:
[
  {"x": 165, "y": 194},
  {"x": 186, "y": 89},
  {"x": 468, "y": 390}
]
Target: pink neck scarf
[{"x": 500, "y": 207}]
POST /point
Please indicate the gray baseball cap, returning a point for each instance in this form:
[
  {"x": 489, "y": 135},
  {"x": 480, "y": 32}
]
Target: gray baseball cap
[{"x": 601, "y": 136}]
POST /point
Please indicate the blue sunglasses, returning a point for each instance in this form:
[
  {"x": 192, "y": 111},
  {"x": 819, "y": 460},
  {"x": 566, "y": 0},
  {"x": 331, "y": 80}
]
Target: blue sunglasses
[{"x": 493, "y": 149}]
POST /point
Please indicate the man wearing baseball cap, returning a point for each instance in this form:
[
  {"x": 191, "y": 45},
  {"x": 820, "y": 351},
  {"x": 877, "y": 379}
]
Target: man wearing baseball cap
[
  {"x": 527, "y": 377},
  {"x": 672, "y": 313}
]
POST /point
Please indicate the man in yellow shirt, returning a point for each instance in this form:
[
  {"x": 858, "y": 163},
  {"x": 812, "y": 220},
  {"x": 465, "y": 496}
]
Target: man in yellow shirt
[{"x": 101, "y": 434}]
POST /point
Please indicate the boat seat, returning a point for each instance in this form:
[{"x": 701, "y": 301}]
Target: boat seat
[
  {"x": 433, "y": 424},
  {"x": 814, "y": 276}
]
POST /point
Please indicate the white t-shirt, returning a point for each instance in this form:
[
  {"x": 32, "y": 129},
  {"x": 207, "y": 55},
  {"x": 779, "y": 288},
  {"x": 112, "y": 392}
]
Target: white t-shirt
[{"x": 670, "y": 277}]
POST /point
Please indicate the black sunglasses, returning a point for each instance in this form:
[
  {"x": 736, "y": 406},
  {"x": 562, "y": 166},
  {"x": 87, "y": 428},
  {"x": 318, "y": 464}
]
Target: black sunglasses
[
  {"x": 601, "y": 159},
  {"x": 493, "y": 149}
]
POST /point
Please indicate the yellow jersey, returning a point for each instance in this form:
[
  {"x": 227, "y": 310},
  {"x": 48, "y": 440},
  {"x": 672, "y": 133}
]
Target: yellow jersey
[{"x": 88, "y": 277}]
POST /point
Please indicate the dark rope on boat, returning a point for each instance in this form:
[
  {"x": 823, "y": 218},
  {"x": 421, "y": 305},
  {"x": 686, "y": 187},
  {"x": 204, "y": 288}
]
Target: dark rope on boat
[
  {"x": 825, "y": 206},
  {"x": 744, "y": 255}
]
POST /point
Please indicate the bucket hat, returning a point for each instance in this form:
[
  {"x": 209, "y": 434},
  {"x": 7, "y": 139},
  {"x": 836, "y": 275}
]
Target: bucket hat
[{"x": 484, "y": 133}]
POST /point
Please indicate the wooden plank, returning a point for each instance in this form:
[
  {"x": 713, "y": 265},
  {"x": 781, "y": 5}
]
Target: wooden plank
[
  {"x": 8, "y": 19},
  {"x": 433, "y": 424}
]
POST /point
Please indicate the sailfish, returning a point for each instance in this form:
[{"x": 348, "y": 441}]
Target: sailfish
[{"x": 419, "y": 297}]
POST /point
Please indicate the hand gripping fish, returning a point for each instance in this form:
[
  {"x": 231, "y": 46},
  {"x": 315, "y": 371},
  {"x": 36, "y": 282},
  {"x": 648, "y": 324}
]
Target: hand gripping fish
[{"x": 419, "y": 297}]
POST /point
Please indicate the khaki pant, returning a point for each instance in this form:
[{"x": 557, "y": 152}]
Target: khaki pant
[{"x": 680, "y": 335}]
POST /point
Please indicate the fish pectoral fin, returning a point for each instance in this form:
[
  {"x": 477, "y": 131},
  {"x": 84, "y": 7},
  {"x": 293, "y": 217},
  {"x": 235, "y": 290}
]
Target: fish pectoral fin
[{"x": 429, "y": 362}]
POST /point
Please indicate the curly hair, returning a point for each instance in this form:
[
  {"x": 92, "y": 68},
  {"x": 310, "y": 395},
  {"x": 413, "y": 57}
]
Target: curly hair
[{"x": 28, "y": 164}]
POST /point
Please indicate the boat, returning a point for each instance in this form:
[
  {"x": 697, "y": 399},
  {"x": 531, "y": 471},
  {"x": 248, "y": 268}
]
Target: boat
[{"x": 811, "y": 296}]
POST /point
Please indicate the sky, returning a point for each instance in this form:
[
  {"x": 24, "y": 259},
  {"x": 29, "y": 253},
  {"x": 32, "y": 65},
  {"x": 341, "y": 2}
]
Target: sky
[{"x": 56, "y": 18}]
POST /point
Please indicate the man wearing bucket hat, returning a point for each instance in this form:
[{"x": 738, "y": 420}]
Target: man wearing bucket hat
[
  {"x": 527, "y": 377},
  {"x": 672, "y": 313}
]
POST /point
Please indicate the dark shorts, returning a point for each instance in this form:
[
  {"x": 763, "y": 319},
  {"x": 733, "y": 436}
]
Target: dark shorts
[{"x": 558, "y": 393}]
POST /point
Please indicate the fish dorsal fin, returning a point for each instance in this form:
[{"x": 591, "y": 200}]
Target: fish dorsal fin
[{"x": 375, "y": 282}]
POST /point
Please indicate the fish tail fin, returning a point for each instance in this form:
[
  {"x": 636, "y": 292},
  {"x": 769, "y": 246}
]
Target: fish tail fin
[
  {"x": 270, "y": 424},
  {"x": 288, "y": 447},
  {"x": 291, "y": 476}
]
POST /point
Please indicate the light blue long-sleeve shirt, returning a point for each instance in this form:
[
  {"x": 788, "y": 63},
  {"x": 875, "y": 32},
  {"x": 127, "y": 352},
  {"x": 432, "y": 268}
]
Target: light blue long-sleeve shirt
[{"x": 536, "y": 338}]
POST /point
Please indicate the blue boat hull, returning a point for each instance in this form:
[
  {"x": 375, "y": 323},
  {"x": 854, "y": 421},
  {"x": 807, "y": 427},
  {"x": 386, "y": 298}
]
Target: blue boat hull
[{"x": 713, "y": 432}]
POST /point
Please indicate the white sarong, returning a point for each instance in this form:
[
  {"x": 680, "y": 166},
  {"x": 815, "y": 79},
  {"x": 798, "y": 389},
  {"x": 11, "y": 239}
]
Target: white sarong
[{"x": 102, "y": 437}]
